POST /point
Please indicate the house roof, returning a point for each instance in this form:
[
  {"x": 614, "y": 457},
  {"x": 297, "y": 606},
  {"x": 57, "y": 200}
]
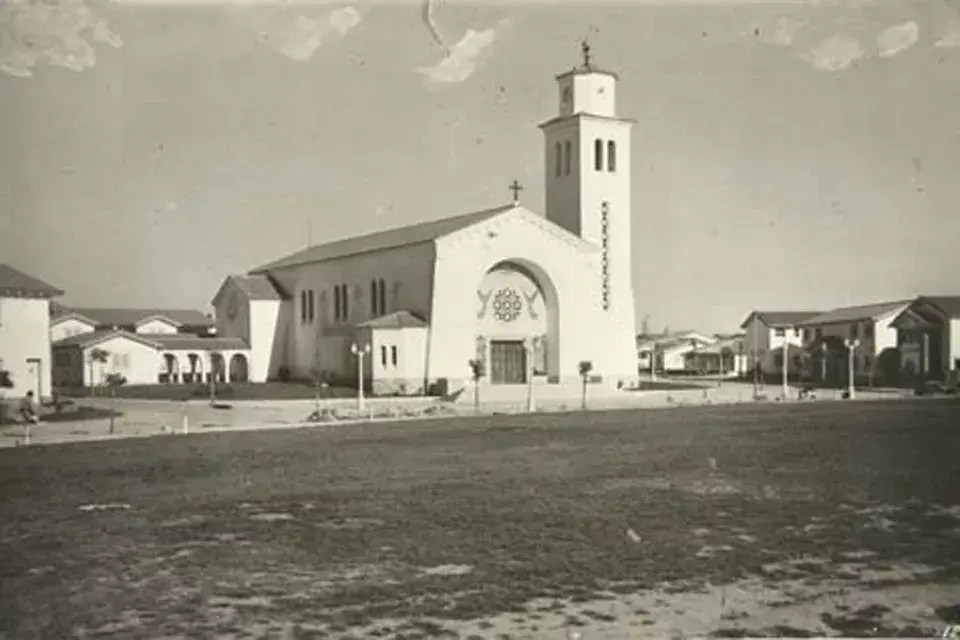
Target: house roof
[
  {"x": 779, "y": 319},
  {"x": 380, "y": 240},
  {"x": 93, "y": 338},
  {"x": 395, "y": 320},
  {"x": 15, "y": 283},
  {"x": 129, "y": 317},
  {"x": 856, "y": 313},
  {"x": 185, "y": 342},
  {"x": 950, "y": 305},
  {"x": 257, "y": 287}
]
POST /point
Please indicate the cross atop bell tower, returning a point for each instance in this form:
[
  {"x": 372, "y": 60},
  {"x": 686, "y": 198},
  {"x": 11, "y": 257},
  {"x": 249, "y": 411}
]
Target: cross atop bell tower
[{"x": 585, "y": 50}]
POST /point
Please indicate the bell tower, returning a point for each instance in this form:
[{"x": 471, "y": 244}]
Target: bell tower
[{"x": 587, "y": 160}]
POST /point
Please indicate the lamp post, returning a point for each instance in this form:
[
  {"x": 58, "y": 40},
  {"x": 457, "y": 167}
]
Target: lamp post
[
  {"x": 213, "y": 371},
  {"x": 852, "y": 344},
  {"x": 531, "y": 345},
  {"x": 359, "y": 353},
  {"x": 823, "y": 364},
  {"x": 786, "y": 365}
]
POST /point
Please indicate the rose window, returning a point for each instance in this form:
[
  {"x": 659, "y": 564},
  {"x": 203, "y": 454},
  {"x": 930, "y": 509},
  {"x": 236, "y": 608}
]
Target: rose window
[{"x": 507, "y": 305}]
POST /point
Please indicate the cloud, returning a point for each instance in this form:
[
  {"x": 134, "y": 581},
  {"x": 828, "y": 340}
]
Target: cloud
[
  {"x": 784, "y": 33},
  {"x": 34, "y": 32},
  {"x": 464, "y": 58},
  {"x": 951, "y": 38},
  {"x": 295, "y": 35},
  {"x": 896, "y": 39},
  {"x": 835, "y": 53}
]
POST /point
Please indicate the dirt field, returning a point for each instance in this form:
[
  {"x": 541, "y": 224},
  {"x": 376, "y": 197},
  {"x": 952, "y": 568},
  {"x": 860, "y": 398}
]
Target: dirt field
[{"x": 820, "y": 518}]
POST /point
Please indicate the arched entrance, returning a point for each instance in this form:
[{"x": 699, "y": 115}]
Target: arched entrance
[
  {"x": 171, "y": 369},
  {"x": 516, "y": 324},
  {"x": 238, "y": 368},
  {"x": 217, "y": 368}
]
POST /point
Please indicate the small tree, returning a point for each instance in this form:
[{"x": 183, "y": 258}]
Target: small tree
[
  {"x": 6, "y": 382},
  {"x": 888, "y": 364},
  {"x": 320, "y": 380},
  {"x": 96, "y": 356},
  {"x": 585, "y": 368},
  {"x": 113, "y": 381},
  {"x": 478, "y": 369}
]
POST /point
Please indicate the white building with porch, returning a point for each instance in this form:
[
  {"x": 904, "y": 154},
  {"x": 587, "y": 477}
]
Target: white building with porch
[{"x": 530, "y": 295}]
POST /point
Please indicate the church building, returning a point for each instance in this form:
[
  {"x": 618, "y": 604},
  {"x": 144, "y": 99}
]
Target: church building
[{"x": 526, "y": 294}]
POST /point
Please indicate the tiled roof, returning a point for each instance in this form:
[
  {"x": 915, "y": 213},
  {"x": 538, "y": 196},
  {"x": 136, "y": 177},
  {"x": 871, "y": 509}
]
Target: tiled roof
[
  {"x": 84, "y": 340},
  {"x": 395, "y": 320},
  {"x": 18, "y": 284},
  {"x": 950, "y": 305},
  {"x": 182, "y": 342},
  {"x": 257, "y": 287},
  {"x": 159, "y": 341},
  {"x": 779, "y": 318},
  {"x": 130, "y": 317},
  {"x": 855, "y": 314},
  {"x": 390, "y": 238}
]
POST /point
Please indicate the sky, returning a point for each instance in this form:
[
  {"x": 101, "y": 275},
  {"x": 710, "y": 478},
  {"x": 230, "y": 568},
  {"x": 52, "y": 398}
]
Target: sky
[{"x": 787, "y": 155}]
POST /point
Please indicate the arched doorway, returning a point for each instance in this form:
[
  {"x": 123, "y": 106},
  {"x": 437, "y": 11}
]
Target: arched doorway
[
  {"x": 217, "y": 367},
  {"x": 196, "y": 368},
  {"x": 171, "y": 369},
  {"x": 516, "y": 323},
  {"x": 238, "y": 368}
]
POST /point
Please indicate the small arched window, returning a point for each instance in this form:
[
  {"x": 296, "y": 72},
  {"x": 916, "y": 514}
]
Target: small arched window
[
  {"x": 346, "y": 302},
  {"x": 567, "y": 149},
  {"x": 383, "y": 296},
  {"x": 559, "y": 153},
  {"x": 611, "y": 156},
  {"x": 373, "y": 297},
  {"x": 337, "y": 303},
  {"x": 310, "y": 306},
  {"x": 303, "y": 307},
  {"x": 598, "y": 154}
]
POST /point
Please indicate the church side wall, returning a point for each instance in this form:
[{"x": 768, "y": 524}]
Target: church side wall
[
  {"x": 325, "y": 341},
  {"x": 264, "y": 340}
]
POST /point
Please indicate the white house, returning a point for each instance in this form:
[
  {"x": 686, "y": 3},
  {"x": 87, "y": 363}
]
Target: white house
[
  {"x": 144, "y": 358},
  {"x": 528, "y": 294},
  {"x": 766, "y": 333},
  {"x": 25, "y": 332},
  {"x": 869, "y": 324},
  {"x": 929, "y": 336},
  {"x": 672, "y": 350}
]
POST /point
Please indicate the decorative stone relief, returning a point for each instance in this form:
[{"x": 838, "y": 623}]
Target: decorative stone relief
[
  {"x": 507, "y": 305},
  {"x": 604, "y": 260},
  {"x": 531, "y": 298},
  {"x": 484, "y": 301}
]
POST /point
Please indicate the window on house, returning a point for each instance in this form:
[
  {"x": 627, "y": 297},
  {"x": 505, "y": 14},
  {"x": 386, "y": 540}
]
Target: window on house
[
  {"x": 383, "y": 296},
  {"x": 383, "y": 356},
  {"x": 611, "y": 156},
  {"x": 567, "y": 152},
  {"x": 598, "y": 154},
  {"x": 779, "y": 332},
  {"x": 778, "y": 360},
  {"x": 393, "y": 355},
  {"x": 806, "y": 335},
  {"x": 559, "y": 151},
  {"x": 818, "y": 333},
  {"x": 854, "y": 330},
  {"x": 868, "y": 329}
]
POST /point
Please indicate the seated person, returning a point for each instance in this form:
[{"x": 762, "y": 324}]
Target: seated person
[{"x": 27, "y": 410}]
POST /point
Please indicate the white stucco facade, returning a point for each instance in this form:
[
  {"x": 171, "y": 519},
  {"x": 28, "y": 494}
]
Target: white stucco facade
[
  {"x": 25, "y": 345},
  {"x": 528, "y": 294}
]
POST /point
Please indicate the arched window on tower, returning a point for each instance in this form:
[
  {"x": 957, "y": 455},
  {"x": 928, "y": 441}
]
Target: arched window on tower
[
  {"x": 373, "y": 298},
  {"x": 559, "y": 152},
  {"x": 598, "y": 154},
  {"x": 382, "y": 290},
  {"x": 567, "y": 149},
  {"x": 310, "y": 306},
  {"x": 346, "y": 302},
  {"x": 303, "y": 307},
  {"x": 611, "y": 156},
  {"x": 337, "y": 303}
]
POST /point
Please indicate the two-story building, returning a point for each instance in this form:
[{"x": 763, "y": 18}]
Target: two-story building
[
  {"x": 868, "y": 325},
  {"x": 928, "y": 337},
  {"x": 25, "y": 332},
  {"x": 766, "y": 333}
]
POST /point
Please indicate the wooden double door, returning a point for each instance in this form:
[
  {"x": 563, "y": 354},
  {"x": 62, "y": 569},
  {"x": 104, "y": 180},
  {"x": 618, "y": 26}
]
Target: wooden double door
[{"x": 508, "y": 362}]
